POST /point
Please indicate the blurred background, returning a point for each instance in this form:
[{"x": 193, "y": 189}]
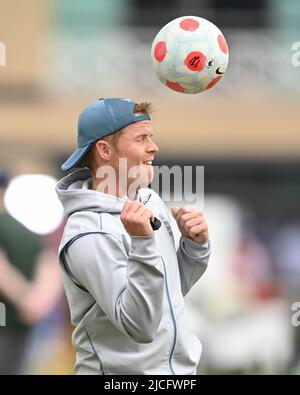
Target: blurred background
[{"x": 56, "y": 57}]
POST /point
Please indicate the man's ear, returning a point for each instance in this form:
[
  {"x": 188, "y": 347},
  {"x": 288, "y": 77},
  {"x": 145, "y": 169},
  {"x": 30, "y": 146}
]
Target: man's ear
[{"x": 103, "y": 149}]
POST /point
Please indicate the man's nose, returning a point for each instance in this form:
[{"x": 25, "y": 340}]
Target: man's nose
[{"x": 153, "y": 147}]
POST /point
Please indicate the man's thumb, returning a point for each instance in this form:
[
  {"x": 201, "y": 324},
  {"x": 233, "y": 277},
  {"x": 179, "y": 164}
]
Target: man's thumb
[{"x": 174, "y": 211}]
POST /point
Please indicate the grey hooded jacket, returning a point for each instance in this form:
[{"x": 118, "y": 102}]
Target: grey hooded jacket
[{"x": 126, "y": 294}]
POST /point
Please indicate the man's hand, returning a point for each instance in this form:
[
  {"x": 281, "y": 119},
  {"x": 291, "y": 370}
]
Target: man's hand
[
  {"x": 136, "y": 219},
  {"x": 191, "y": 223}
]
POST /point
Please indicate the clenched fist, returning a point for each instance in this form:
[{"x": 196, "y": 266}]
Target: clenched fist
[
  {"x": 136, "y": 219},
  {"x": 191, "y": 223}
]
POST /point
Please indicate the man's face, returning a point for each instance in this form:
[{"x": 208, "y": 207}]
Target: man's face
[{"x": 136, "y": 145}]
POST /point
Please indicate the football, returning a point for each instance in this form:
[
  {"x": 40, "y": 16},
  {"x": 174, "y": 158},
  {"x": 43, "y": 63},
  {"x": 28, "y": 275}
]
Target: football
[{"x": 189, "y": 54}]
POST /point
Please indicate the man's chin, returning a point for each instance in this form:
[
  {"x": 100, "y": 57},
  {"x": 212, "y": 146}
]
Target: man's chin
[{"x": 140, "y": 183}]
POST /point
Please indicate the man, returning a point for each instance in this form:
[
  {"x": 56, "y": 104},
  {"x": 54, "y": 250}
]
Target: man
[{"x": 124, "y": 281}]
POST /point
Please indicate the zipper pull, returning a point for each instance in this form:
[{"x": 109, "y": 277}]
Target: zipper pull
[{"x": 155, "y": 223}]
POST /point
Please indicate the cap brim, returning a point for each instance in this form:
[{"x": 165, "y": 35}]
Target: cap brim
[{"x": 76, "y": 157}]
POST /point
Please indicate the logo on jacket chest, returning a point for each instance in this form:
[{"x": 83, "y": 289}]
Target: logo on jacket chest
[{"x": 167, "y": 225}]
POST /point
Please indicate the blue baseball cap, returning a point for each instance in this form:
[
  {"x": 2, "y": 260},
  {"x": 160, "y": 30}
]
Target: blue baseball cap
[{"x": 100, "y": 119}]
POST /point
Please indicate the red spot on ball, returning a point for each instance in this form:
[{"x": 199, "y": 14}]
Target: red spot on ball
[
  {"x": 160, "y": 51},
  {"x": 195, "y": 61},
  {"x": 222, "y": 43},
  {"x": 189, "y": 24},
  {"x": 213, "y": 82},
  {"x": 175, "y": 86}
]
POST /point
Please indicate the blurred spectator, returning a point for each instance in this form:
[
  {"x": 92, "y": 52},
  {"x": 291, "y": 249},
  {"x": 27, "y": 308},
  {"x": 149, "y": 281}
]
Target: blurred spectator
[
  {"x": 245, "y": 326},
  {"x": 254, "y": 269},
  {"x": 30, "y": 286}
]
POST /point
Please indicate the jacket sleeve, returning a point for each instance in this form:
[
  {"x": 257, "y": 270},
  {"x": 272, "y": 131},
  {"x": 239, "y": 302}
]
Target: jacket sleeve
[
  {"x": 129, "y": 289},
  {"x": 192, "y": 261}
]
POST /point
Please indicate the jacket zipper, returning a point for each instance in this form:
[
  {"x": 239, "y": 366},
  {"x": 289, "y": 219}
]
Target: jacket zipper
[
  {"x": 169, "y": 302},
  {"x": 173, "y": 320}
]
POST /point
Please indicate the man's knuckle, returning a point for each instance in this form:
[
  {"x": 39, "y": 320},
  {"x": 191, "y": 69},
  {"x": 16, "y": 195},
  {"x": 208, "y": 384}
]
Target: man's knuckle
[
  {"x": 185, "y": 216},
  {"x": 188, "y": 226}
]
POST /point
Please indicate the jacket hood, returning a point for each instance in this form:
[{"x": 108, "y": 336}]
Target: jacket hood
[{"x": 75, "y": 195}]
